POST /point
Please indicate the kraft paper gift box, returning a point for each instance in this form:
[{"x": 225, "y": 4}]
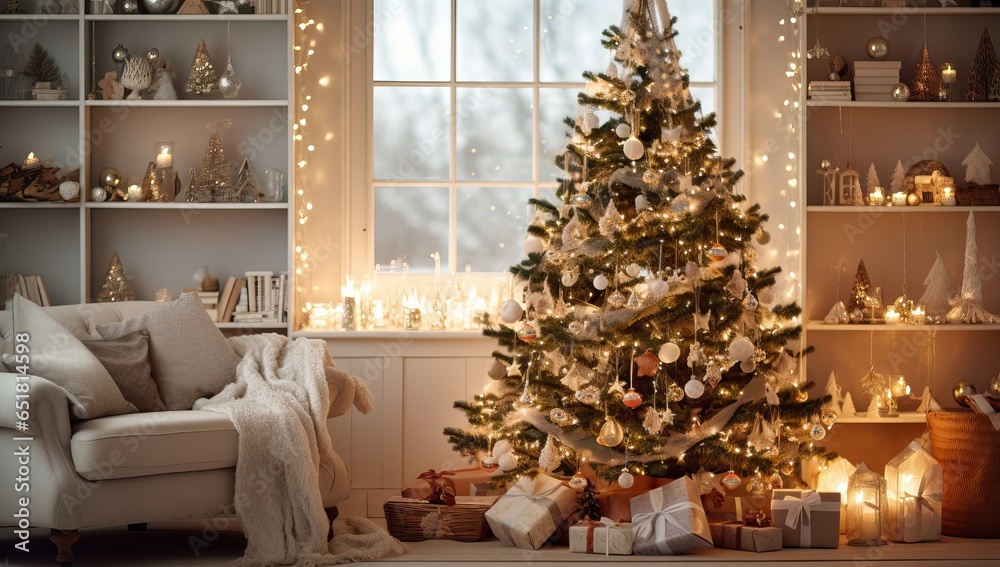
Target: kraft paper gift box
[
  {"x": 670, "y": 520},
  {"x": 607, "y": 536},
  {"x": 737, "y": 535},
  {"x": 531, "y": 511},
  {"x": 807, "y": 518},
  {"x": 734, "y": 508}
]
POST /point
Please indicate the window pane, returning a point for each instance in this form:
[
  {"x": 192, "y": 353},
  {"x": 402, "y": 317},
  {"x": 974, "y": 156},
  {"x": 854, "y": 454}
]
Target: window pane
[
  {"x": 555, "y": 106},
  {"x": 571, "y": 38},
  {"x": 412, "y": 40},
  {"x": 707, "y": 97},
  {"x": 494, "y": 134},
  {"x": 410, "y": 133},
  {"x": 698, "y": 37},
  {"x": 411, "y": 223},
  {"x": 494, "y": 41},
  {"x": 491, "y": 227}
]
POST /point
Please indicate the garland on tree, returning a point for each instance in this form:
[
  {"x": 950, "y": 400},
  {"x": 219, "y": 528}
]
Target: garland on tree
[{"x": 644, "y": 337}]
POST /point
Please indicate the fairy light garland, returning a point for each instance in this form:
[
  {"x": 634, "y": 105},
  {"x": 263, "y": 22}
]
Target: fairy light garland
[
  {"x": 302, "y": 51},
  {"x": 790, "y": 32}
]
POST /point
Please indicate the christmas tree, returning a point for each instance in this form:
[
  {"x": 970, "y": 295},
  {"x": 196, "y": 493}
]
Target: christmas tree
[
  {"x": 644, "y": 338},
  {"x": 201, "y": 77},
  {"x": 977, "y": 166},
  {"x": 116, "y": 286},
  {"x": 936, "y": 292},
  {"x": 898, "y": 181},
  {"x": 871, "y": 181},
  {"x": 215, "y": 176},
  {"x": 969, "y": 305},
  {"x": 41, "y": 66}
]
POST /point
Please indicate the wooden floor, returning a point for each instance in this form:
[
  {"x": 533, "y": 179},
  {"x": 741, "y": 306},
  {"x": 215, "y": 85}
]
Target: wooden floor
[{"x": 172, "y": 547}]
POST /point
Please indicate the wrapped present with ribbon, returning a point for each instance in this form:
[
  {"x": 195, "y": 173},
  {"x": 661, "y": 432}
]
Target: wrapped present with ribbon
[
  {"x": 670, "y": 520},
  {"x": 531, "y": 511},
  {"x": 807, "y": 518},
  {"x": 606, "y": 536},
  {"x": 736, "y": 508},
  {"x": 913, "y": 495},
  {"x": 737, "y": 535}
]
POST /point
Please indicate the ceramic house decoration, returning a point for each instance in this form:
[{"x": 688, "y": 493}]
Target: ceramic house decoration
[{"x": 913, "y": 493}]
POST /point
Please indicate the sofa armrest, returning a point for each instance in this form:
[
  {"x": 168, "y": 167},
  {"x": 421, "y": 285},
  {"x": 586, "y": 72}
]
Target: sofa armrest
[{"x": 48, "y": 408}]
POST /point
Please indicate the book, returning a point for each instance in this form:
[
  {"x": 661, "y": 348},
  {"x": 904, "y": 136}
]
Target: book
[
  {"x": 877, "y": 74},
  {"x": 259, "y": 291},
  {"x": 868, "y": 64},
  {"x": 232, "y": 291},
  {"x": 875, "y": 82}
]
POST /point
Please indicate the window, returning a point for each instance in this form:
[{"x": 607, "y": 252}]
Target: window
[{"x": 468, "y": 99}]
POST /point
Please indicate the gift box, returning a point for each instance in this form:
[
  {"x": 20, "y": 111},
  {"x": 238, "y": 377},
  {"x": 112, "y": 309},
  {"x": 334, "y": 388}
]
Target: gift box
[
  {"x": 670, "y": 520},
  {"x": 607, "y": 536},
  {"x": 807, "y": 518},
  {"x": 410, "y": 519},
  {"x": 737, "y": 535},
  {"x": 734, "y": 508},
  {"x": 483, "y": 489},
  {"x": 531, "y": 511}
]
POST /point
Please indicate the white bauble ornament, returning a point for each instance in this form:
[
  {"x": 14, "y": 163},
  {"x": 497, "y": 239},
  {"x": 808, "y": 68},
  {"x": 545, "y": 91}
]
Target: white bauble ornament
[
  {"x": 741, "y": 349},
  {"x": 669, "y": 352},
  {"x": 766, "y": 296},
  {"x": 633, "y": 148},
  {"x": 569, "y": 279},
  {"x": 590, "y": 121},
  {"x": 623, "y": 130},
  {"x": 533, "y": 245},
  {"x": 626, "y": 480},
  {"x": 748, "y": 366},
  {"x": 632, "y": 270},
  {"x": 641, "y": 203},
  {"x": 510, "y": 311},
  {"x": 507, "y": 462},
  {"x": 659, "y": 287},
  {"x": 694, "y": 389},
  {"x": 69, "y": 190},
  {"x": 600, "y": 282},
  {"x": 691, "y": 270}
]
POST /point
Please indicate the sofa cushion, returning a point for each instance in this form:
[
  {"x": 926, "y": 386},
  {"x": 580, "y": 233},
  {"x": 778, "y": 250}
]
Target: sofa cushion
[
  {"x": 72, "y": 317},
  {"x": 190, "y": 356},
  {"x": 127, "y": 361},
  {"x": 58, "y": 356},
  {"x": 145, "y": 444}
]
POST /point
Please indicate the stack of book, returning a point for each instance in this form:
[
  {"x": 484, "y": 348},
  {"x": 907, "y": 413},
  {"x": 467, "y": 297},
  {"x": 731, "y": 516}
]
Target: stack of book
[
  {"x": 27, "y": 286},
  {"x": 209, "y": 299},
  {"x": 256, "y": 297},
  {"x": 874, "y": 80},
  {"x": 829, "y": 90}
]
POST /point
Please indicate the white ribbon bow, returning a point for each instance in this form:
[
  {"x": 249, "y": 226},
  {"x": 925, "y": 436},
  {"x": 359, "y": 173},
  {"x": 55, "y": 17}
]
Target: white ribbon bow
[
  {"x": 524, "y": 491},
  {"x": 648, "y": 524},
  {"x": 608, "y": 523}
]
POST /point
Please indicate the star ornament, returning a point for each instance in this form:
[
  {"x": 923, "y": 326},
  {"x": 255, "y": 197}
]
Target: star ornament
[
  {"x": 646, "y": 363},
  {"x": 617, "y": 387}
]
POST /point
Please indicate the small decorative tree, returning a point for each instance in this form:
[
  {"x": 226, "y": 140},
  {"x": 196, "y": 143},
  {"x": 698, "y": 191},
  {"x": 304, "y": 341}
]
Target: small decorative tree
[
  {"x": 977, "y": 166},
  {"x": 41, "y": 66},
  {"x": 898, "y": 181},
  {"x": 872, "y": 181},
  {"x": 588, "y": 507}
]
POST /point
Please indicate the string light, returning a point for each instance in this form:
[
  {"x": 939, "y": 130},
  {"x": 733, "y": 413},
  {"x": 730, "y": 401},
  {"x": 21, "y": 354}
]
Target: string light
[{"x": 302, "y": 150}]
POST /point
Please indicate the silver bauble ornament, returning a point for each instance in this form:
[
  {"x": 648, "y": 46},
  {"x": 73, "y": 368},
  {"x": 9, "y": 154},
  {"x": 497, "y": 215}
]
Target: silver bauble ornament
[
  {"x": 694, "y": 389},
  {"x": 161, "y": 6},
  {"x": 626, "y": 480},
  {"x": 511, "y": 311},
  {"x": 98, "y": 194},
  {"x": 153, "y": 55},
  {"x": 229, "y": 82},
  {"x": 877, "y": 47},
  {"x": 623, "y": 130},
  {"x": 130, "y": 6},
  {"x": 901, "y": 92},
  {"x": 569, "y": 279},
  {"x": 111, "y": 177}
]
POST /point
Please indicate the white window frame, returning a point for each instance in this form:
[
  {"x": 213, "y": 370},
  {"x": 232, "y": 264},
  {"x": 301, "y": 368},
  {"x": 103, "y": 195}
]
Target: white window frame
[{"x": 359, "y": 222}]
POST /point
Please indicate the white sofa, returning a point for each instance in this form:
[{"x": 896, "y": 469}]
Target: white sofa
[{"x": 122, "y": 469}]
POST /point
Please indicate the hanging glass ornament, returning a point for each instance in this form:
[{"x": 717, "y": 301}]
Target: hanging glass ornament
[
  {"x": 658, "y": 287},
  {"x": 626, "y": 480},
  {"x": 525, "y": 399},
  {"x": 669, "y": 352},
  {"x": 641, "y": 203},
  {"x": 507, "y": 462},
  {"x": 611, "y": 434},
  {"x": 763, "y": 237},
  {"x": 713, "y": 374},
  {"x": 575, "y": 327},
  {"x": 694, "y": 389},
  {"x": 731, "y": 480},
  {"x": 633, "y": 300},
  {"x": 757, "y": 484},
  {"x": 632, "y": 398},
  {"x": 590, "y": 121},
  {"x": 750, "y": 302},
  {"x": 582, "y": 200},
  {"x": 560, "y": 417},
  {"x": 787, "y": 468},
  {"x": 229, "y": 82},
  {"x": 748, "y": 366},
  {"x": 569, "y": 279},
  {"x": 601, "y": 282},
  {"x": 533, "y": 245},
  {"x": 675, "y": 393},
  {"x": 633, "y": 148},
  {"x": 616, "y": 300},
  {"x": 527, "y": 332},
  {"x": 623, "y": 130},
  {"x": 632, "y": 270},
  {"x": 489, "y": 464},
  {"x": 578, "y": 482},
  {"x": 829, "y": 417},
  {"x": 589, "y": 395},
  {"x": 717, "y": 253},
  {"x": 510, "y": 311},
  {"x": 817, "y": 431},
  {"x": 801, "y": 396},
  {"x": 775, "y": 481},
  {"x": 691, "y": 270}
]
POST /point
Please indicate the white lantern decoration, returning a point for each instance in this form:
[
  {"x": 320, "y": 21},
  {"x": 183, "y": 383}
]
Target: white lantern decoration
[
  {"x": 866, "y": 508},
  {"x": 913, "y": 493}
]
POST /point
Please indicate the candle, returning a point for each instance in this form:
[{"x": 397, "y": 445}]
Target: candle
[
  {"x": 164, "y": 154},
  {"x": 918, "y": 315},
  {"x": 948, "y": 197},
  {"x": 899, "y": 199},
  {"x": 319, "y": 315},
  {"x": 134, "y": 193},
  {"x": 31, "y": 162},
  {"x": 948, "y": 74},
  {"x": 892, "y": 316},
  {"x": 876, "y": 198}
]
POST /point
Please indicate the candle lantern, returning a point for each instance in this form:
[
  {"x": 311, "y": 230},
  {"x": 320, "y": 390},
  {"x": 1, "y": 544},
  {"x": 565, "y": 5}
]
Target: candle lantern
[
  {"x": 899, "y": 199},
  {"x": 892, "y": 317},
  {"x": 319, "y": 315},
  {"x": 877, "y": 197},
  {"x": 948, "y": 77},
  {"x": 898, "y": 385},
  {"x": 834, "y": 478},
  {"x": 913, "y": 490},
  {"x": 411, "y": 313},
  {"x": 31, "y": 162},
  {"x": 349, "y": 307},
  {"x": 866, "y": 509}
]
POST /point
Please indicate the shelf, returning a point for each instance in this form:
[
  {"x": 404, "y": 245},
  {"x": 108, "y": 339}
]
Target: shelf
[
  {"x": 40, "y": 18},
  {"x": 904, "y": 417},
  {"x": 901, "y": 105},
  {"x": 820, "y": 326},
  {"x": 160, "y": 18},
  {"x": 40, "y": 103},
  {"x": 185, "y": 205},
  {"x": 39, "y": 205},
  {"x": 186, "y": 103},
  {"x": 908, "y": 11},
  {"x": 388, "y": 334},
  {"x": 839, "y": 209}
]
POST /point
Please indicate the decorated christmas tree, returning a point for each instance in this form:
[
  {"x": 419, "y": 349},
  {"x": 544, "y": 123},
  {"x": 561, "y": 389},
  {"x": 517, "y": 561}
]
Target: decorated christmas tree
[
  {"x": 642, "y": 338},
  {"x": 116, "y": 286},
  {"x": 201, "y": 78}
]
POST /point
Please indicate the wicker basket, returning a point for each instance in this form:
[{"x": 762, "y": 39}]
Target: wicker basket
[
  {"x": 973, "y": 195},
  {"x": 968, "y": 448},
  {"x": 409, "y": 519}
]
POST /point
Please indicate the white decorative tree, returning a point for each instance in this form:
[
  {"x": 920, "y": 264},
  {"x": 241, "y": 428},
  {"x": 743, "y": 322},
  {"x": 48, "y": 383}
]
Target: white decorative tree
[
  {"x": 969, "y": 304},
  {"x": 834, "y": 391},
  {"x": 848, "y": 410},
  {"x": 977, "y": 166},
  {"x": 936, "y": 290},
  {"x": 898, "y": 181},
  {"x": 871, "y": 182}
]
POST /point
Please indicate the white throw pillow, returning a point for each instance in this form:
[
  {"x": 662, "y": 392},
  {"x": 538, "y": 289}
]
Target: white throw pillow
[
  {"x": 190, "y": 357},
  {"x": 56, "y": 355}
]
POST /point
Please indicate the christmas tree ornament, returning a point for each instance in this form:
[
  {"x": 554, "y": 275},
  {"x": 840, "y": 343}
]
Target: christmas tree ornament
[
  {"x": 675, "y": 393},
  {"x": 569, "y": 279},
  {"x": 632, "y": 270},
  {"x": 716, "y": 253},
  {"x": 497, "y": 370},
  {"x": 548, "y": 459},
  {"x": 489, "y": 464},
  {"x": 507, "y": 462},
  {"x": 119, "y": 54},
  {"x": 525, "y": 400},
  {"x": 152, "y": 188},
  {"x": 849, "y": 185},
  {"x": 533, "y": 245},
  {"x": 577, "y": 377},
  {"x": 582, "y": 200},
  {"x": 669, "y": 352},
  {"x": 588, "y": 395},
  {"x": 626, "y": 480},
  {"x": 961, "y": 391},
  {"x": 748, "y": 366},
  {"x": 633, "y": 301},
  {"x": 616, "y": 300},
  {"x": 136, "y": 76},
  {"x": 981, "y": 71},
  {"x": 201, "y": 78},
  {"x": 511, "y": 311},
  {"x": 737, "y": 285},
  {"x": 527, "y": 332},
  {"x": 801, "y": 396},
  {"x": 514, "y": 370},
  {"x": 658, "y": 287},
  {"x": 590, "y": 122},
  {"x": 632, "y": 398},
  {"x": 116, "y": 286},
  {"x": 560, "y": 417},
  {"x": 847, "y": 409},
  {"x": 691, "y": 270},
  {"x": 611, "y": 222},
  {"x": 193, "y": 7},
  {"x": 731, "y": 481},
  {"x": 633, "y": 148},
  {"x": 575, "y": 327},
  {"x": 877, "y": 47},
  {"x": 161, "y": 6},
  {"x": 623, "y": 130},
  {"x": 775, "y": 482},
  {"x": 837, "y": 314},
  {"x": 977, "y": 165},
  {"x": 600, "y": 282},
  {"x": 860, "y": 305},
  {"x": 69, "y": 190},
  {"x": 763, "y": 237},
  {"x": 247, "y": 185},
  {"x": 617, "y": 387},
  {"x": 694, "y": 389},
  {"x": 817, "y": 432},
  {"x": 229, "y": 82},
  {"x": 611, "y": 434},
  {"x": 757, "y": 485},
  {"x": 578, "y": 482},
  {"x": 652, "y": 422},
  {"x": 646, "y": 363},
  {"x": 787, "y": 468},
  {"x": 741, "y": 349},
  {"x": 641, "y": 203},
  {"x": 750, "y": 302},
  {"x": 98, "y": 194},
  {"x": 926, "y": 82},
  {"x": 680, "y": 203},
  {"x": 713, "y": 375}
]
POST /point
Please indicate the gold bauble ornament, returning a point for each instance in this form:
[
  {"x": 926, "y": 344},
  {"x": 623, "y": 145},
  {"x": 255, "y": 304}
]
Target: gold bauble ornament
[{"x": 611, "y": 434}]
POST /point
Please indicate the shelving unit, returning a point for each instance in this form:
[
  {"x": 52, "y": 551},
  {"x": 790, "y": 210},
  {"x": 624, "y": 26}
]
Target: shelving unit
[
  {"x": 897, "y": 244},
  {"x": 160, "y": 244}
]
